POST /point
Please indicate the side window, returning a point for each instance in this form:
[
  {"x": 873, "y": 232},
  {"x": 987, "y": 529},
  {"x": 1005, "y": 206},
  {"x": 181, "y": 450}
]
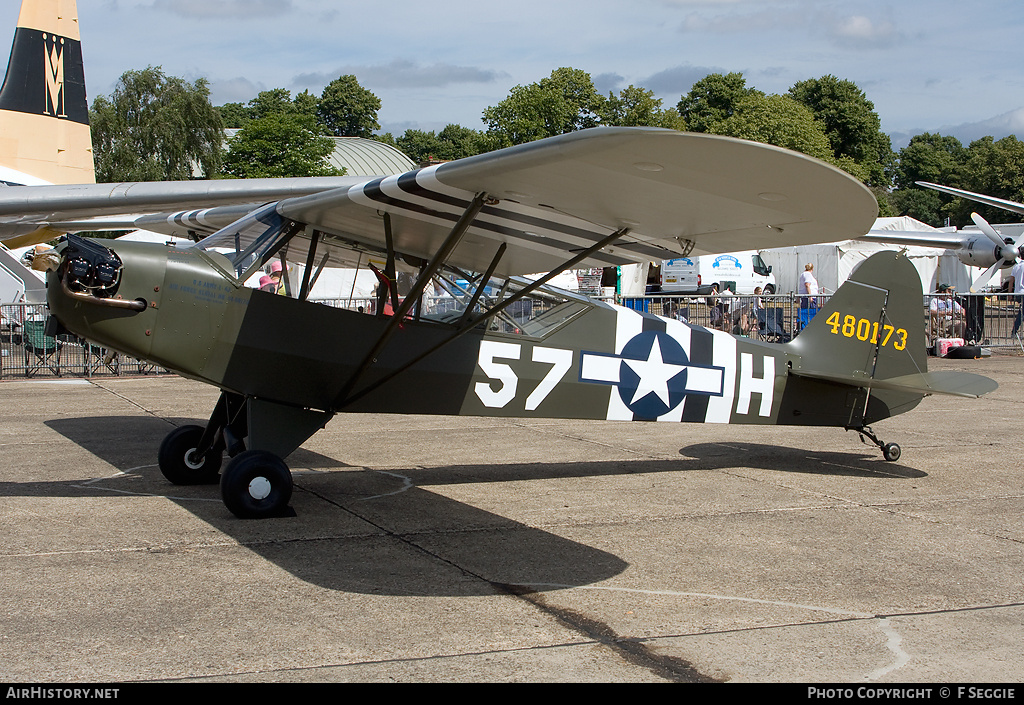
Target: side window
[{"x": 759, "y": 266}]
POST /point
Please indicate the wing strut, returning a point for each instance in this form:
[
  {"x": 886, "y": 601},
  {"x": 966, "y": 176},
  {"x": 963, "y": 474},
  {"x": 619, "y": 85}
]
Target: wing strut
[
  {"x": 390, "y": 273},
  {"x": 426, "y": 274},
  {"x": 483, "y": 284},
  {"x": 344, "y": 399},
  {"x": 314, "y": 240}
]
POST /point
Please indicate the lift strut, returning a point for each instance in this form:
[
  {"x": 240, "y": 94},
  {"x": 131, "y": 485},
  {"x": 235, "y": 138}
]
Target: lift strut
[
  {"x": 346, "y": 398},
  {"x": 426, "y": 274}
]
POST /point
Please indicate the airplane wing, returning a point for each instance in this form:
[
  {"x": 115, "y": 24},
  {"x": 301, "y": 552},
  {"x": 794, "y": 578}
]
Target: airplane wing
[
  {"x": 31, "y": 214},
  {"x": 915, "y": 238},
  {"x": 676, "y": 193},
  {"x": 1011, "y": 206}
]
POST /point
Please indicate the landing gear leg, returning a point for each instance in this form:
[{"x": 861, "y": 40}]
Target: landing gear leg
[
  {"x": 890, "y": 451},
  {"x": 256, "y": 434},
  {"x": 191, "y": 455}
]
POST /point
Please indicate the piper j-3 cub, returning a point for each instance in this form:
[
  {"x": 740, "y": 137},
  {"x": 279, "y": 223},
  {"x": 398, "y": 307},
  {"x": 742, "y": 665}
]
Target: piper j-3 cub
[{"x": 468, "y": 334}]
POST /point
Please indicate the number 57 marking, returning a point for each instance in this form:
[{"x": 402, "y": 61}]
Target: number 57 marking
[{"x": 560, "y": 361}]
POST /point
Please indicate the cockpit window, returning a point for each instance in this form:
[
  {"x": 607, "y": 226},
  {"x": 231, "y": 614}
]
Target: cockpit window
[
  {"x": 452, "y": 297},
  {"x": 248, "y": 243},
  {"x": 535, "y": 315}
]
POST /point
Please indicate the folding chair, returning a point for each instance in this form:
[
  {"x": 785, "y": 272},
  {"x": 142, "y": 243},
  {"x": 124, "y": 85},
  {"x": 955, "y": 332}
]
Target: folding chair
[
  {"x": 770, "y": 321},
  {"x": 41, "y": 350},
  {"x": 97, "y": 358}
]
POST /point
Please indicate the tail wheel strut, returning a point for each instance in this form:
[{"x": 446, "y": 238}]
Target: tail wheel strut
[{"x": 890, "y": 451}]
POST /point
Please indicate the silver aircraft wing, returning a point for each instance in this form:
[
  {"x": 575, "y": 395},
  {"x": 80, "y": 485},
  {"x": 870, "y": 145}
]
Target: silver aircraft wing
[
  {"x": 30, "y": 214},
  {"x": 675, "y": 193}
]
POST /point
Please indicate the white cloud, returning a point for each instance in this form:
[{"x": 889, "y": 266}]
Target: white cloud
[
  {"x": 862, "y": 30},
  {"x": 1010, "y": 123},
  {"x": 402, "y": 73}
]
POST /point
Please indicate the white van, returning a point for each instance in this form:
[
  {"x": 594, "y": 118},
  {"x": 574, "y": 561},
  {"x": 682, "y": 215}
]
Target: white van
[{"x": 708, "y": 274}]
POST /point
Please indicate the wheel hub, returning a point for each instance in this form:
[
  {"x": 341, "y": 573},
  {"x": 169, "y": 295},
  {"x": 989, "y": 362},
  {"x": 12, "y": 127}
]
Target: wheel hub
[
  {"x": 259, "y": 488},
  {"x": 190, "y": 460}
]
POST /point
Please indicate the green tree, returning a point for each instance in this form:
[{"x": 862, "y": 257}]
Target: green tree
[
  {"x": 155, "y": 127},
  {"x": 713, "y": 99},
  {"x": 306, "y": 103},
  {"x": 777, "y": 120},
  {"x": 347, "y": 109},
  {"x": 279, "y": 145},
  {"x": 637, "y": 107},
  {"x": 851, "y": 124},
  {"x": 928, "y": 157},
  {"x": 276, "y": 101},
  {"x": 453, "y": 142},
  {"x": 994, "y": 168},
  {"x": 565, "y": 101},
  {"x": 234, "y": 115}
]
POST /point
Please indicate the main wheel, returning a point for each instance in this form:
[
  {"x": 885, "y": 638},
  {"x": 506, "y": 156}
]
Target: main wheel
[
  {"x": 256, "y": 485},
  {"x": 891, "y": 451},
  {"x": 177, "y": 458}
]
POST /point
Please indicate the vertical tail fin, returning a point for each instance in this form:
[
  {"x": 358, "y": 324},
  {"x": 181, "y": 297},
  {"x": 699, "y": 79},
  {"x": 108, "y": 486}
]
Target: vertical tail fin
[
  {"x": 44, "y": 114},
  {"x": 871, "y": 329}
]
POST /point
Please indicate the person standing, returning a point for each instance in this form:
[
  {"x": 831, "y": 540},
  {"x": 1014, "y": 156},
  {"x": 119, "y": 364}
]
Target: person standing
[
  {"x": 1017, "y": 287},
  {"x": 808, "y": 288}
]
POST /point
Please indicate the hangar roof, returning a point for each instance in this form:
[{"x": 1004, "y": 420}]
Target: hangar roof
[
  {"x": 362, "y": 157},
  {"x": 365, "y": 157}
]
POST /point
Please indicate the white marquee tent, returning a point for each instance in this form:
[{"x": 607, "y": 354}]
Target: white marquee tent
[{"x": 834, "y": 262}]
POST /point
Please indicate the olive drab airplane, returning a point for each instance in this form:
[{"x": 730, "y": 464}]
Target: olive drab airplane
[{"x": 457, "y": 327}]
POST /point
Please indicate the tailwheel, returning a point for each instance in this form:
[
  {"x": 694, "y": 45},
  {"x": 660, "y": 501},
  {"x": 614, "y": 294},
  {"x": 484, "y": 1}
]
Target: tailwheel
[
  {"x": 179, "y": 461},
  {"x": 256, "y": 485},
  {"x": 891, "y": 451}
]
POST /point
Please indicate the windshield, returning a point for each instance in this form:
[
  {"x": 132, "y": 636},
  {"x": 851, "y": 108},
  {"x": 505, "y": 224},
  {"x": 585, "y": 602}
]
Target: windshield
[{"x": 248, "y": 243}]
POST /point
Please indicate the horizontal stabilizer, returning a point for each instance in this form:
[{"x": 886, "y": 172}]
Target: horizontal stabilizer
[{"x": 960, "y": 384}]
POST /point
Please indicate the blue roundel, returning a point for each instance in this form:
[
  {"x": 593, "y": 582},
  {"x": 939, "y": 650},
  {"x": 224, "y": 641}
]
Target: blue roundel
[{"x": 663, "y": 375}]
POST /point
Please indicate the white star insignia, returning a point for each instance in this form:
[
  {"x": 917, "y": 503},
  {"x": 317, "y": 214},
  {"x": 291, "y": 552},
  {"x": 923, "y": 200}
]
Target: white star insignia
[{"x": 654, "y": 374}]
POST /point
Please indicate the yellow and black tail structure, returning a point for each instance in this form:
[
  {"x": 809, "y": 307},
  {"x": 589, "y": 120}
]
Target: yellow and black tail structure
[{"x": 44, "y": 113}]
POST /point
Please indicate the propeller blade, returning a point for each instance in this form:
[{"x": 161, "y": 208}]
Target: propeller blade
[
  {"x": 1007, "y": 252},
  {"x": 989, "y": 231},
  {"x": 985, "y": 276}
]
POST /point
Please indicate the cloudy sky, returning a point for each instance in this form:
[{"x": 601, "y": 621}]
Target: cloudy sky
[{"x": 951, "y": 66}]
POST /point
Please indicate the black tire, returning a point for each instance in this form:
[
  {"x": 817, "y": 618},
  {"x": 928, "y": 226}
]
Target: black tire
[
  {"x": 175, "y": 458},
  {"x": 256, "y": 485},
  {"x": 769, "y": 290},
  {"x": 891, "y": 452}
]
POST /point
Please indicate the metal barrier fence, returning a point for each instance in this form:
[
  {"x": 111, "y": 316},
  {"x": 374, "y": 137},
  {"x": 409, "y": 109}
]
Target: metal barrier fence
[
  {"x": 989, "y": 320},
  {"x": 26, "y": 351},
  {"x": 984, "y": 319}
]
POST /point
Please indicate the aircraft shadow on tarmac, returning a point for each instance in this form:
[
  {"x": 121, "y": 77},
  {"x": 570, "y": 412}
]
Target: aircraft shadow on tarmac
[{"x": 368, "y": 531}]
